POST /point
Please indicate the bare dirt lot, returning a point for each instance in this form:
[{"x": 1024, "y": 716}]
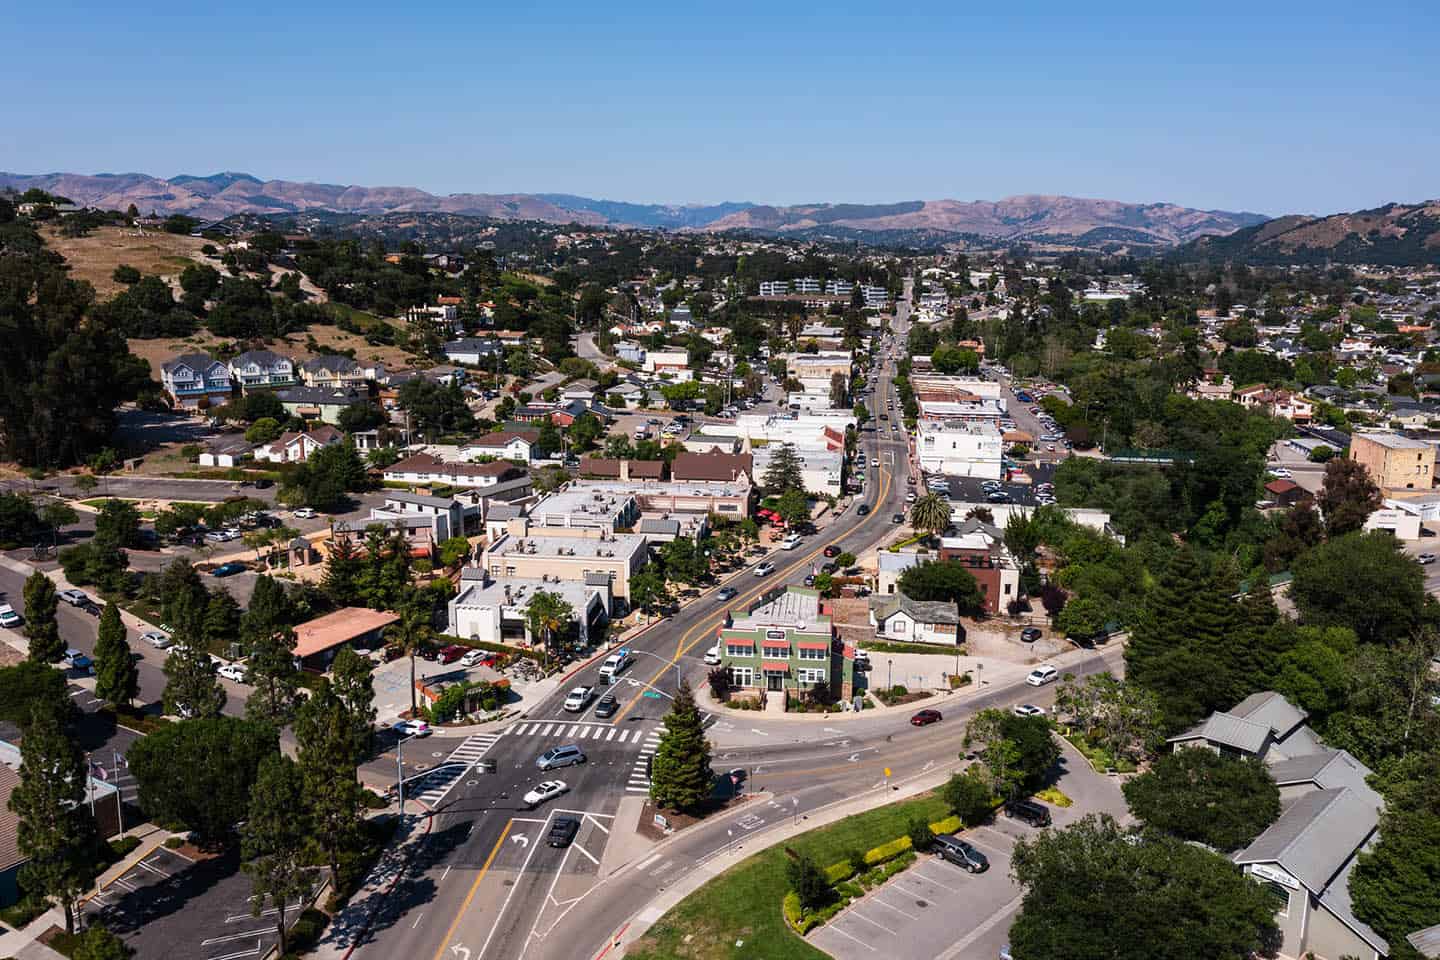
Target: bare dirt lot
[{"x": 95, "y": 257}]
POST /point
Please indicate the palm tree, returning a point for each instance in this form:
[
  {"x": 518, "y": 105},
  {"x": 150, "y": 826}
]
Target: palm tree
[
  {"x": 549, "y": 613},
  {"x": 412, "y": 633},
  {"x": 931, "y": 513}
]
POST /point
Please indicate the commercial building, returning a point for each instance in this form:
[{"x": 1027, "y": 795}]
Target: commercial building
[
  {"x": 822, "y": 471},
  {"x": 960, "y": 448},
  {"x": 785, "y": 643},
  {"x": 491, "y": 610},
  {"x": 318, "y": 641},
  {"x": 1395, "y": 462},
  {"x": 816, "y": 370},
  {"x": 521, "y": 551}
]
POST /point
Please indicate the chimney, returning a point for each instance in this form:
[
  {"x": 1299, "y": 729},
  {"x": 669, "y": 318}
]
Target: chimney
[{"x": 624, "y": 471}]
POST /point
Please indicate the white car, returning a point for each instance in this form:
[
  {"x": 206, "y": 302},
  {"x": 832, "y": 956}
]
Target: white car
[
  {"x": 74, "y": 597},
  {"x": 304, "y": 513},
  {"x": 233, "y": 671},
  {"x": 1027, "y": 710},
  {"x": 1041, "y": 676},
  {"x": 1423, "y": 558},
  {"x": 412, "y": 728},
  {"x": 712, "y": 656},
  {"x": 9, "y": 618},
  {"x": 157, "y": 639},
  {"x": 579, "y": 699},
  {"x": 545, "y": 790},
  {"x": 472, "y": 658},
  {"x": 791, "y": 542},
  {"x": 1280, "y": 472},
  {"x": 764, "y": 569}
]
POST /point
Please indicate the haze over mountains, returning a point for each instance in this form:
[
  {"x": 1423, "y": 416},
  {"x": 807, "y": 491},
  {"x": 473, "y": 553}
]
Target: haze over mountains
[{"x": 1014, "y": 218}]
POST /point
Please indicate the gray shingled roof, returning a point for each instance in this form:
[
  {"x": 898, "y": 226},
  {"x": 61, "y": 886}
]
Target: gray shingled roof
[
  {"x": 1315, "y": 836},
  {"x": 1328, "y": 770},
  {"x": 921, "y": 611},
  {"x": 1337, "y": 900},
  {"x": 9, "y": 822},
  {"x": 1270, "y": 709},
  {"x": 1229, "y": 730}
]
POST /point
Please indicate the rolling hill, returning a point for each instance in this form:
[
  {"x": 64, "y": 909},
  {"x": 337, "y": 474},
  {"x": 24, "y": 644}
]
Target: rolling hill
[{"x": 1393, "y": 235}]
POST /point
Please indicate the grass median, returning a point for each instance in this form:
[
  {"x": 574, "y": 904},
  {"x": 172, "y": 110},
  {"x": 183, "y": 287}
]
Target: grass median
[{"x": 743, "y": 904}]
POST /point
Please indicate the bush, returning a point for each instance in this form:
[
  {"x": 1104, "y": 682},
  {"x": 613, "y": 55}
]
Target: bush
[
  {"x": 919, "y": 834},
  {"x": 886, "y": 851},
  {"x": 948, "y": 825},
  {"x": 808, "y": 881},
  {"x": 1052, "y": 795},
  {"x": 174, "y": 843},
  {"x": 843, "y": 870},
  {"x": 794, "y": 915},
  {"x": 123, "y": 847}
]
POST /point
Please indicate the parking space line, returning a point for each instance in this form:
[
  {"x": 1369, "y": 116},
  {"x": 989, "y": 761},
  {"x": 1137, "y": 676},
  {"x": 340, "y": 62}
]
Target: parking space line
[
  {"x": 836, "y": 928},
  {"x": 237, "y": 956},
  {"x": 598, "y": 826},
  {"x": 153, "y": 869},
  {"x": 588, "y": 855},
  {"x": 902, "y": 913},
  {"x": 236, "y": 936},
  {"x": 860, "y": 916},
  {"x": 926, "y": 878}
]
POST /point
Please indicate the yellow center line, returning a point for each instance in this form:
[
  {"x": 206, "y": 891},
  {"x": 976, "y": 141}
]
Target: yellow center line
[
  {"x": 689, "y": 640},
  {"x": 445, "y": 944}
]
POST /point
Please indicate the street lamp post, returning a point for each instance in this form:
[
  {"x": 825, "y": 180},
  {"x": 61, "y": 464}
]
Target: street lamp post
[{"x": 889, "y": 674}]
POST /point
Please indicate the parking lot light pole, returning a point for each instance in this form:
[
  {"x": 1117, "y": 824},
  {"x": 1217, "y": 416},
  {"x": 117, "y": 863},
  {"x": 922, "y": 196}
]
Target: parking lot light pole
[{"x": 400, "y": 773}]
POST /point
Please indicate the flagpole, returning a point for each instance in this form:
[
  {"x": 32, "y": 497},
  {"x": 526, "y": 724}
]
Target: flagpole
[
  {"x": 119, "y": 803},
  {"x": 89, "y": 787}
]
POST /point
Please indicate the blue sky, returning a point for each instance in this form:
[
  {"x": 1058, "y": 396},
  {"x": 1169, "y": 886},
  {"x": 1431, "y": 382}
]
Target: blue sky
[{"x": 1266, "y": 106}]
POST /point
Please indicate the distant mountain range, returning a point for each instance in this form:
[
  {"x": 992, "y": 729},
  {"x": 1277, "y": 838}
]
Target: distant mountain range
[
  {"x": 1088, "y": 222},
  {"x": 1393, "y": 235}
]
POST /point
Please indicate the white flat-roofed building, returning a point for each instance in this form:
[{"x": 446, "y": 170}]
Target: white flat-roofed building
[
  {"x": 567, "y": 558},
  {"x": 960, "y": 448},
  {"x": 587, "y": 505},
  {"x": 820, "y": 470},
  {"x": 774, "y": 288},
  {"x": 493, "y": 610}
]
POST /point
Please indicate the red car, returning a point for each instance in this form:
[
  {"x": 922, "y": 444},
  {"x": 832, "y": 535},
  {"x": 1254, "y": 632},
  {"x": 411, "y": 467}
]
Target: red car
[
  {"x": 925, "y": 718},
  {"x": 832, "y": 551},
  {"x": 452, "y": 653}
]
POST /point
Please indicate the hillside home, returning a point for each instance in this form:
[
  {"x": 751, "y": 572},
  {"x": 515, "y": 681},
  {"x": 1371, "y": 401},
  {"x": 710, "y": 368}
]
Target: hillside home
[
  {"x": 337, "y": 371},
  {"x": 320, "y": 403},
  {"x": 296, "y": 447},
  {"x": 196, "y": 381},
  {"x": 503, "y": 445},
  {"x": 262, "y": 369}
]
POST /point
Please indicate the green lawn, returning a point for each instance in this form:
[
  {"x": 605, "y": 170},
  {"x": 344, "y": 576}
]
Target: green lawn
[{"x": 743, "y": 904}]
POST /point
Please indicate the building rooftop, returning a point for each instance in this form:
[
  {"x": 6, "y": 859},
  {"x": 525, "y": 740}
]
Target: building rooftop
[
  {"x": 921, "y": 611},
  {"x": 517, "y": 592},
  {"x": 788, "y": 607},
  {"x": 585, "y": 505},
  {"x": 339, "y": 627},
  {"x": 1315, "y": 836},
  {"x": 1392, "y": 441},
  {"x": 584, "y": 548}
]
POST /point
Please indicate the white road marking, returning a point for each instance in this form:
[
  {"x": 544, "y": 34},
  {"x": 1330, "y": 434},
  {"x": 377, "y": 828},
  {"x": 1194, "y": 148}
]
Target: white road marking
[
  {"x": 587, "y": 854},
  {"x": 836, "y": 928},
  {"x": 603, "y": 829},
  {"x": 760, "y": 732},
  {"x": 893, "y": 907},
  {"x": 860, "y": 916},
  {"x": 417, "y": 921},
  {"x": 647, "y": 861},
  {"x": 235, "y": 936}
]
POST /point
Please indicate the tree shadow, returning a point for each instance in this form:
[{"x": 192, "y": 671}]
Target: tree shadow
[{"x": 404, "y": 886}]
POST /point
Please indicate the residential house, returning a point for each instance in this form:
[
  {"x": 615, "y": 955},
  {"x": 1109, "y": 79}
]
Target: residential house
[
  {"x": 583, "y": 390},
  {"x": 426, "y": 468},
  {"x": 491, "y": 609},
  {"x": 1285, "y": 493},
  {"x": 980, "y": 547},
  {"x": 668, "y": 364},
  {"x": 785, "y": 644},
  {"x": 296, "y": 447},
  {"x": 318, "y": 641},
  {"x": 904, "y": 620},
  {"x": 334, "y": 370},
  {"x": 262, "y": 369},
  {"x": 630, "y": 352},
  {"x": 11, "y": 859},
  {"x": 320, "y": 403},
  {"x": 226, "y": 451},
  {"x": 443, "y": 316},
  {"x": 474, "y": 351},
  {"x": 516, "y": 445},
  {"x": 196, "y": 381}
]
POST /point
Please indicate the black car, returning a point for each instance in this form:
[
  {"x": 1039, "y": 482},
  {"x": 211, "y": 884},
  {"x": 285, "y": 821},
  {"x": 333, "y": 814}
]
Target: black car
[
  {"x": 832, "y": 551},
  {"x": 1028, "y": 811},
  {"x": 607, "y": 706},
  {"x": 264, "y": 484},
  {"x": 898, "y": 518},
  {"x": 562, "y": 831},
  {"x": 961, "y": 854},
  {"x": 1029, "y": 634},
  {"x": 863, "y": 509}
]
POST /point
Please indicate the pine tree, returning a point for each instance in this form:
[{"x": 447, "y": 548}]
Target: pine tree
[
  {"x": 680, "y": 774},
  {"x": 40, "y": 624},
  {"x": 55, "y": 830},
  {"x": 191, "y": 689},
  {"x": 342, "y": 570},
  {"x": 783, "y": 471},
  {"x": 325, "y": 735},
  {"x": 351, "y": 679},
  {"x": 271, "y": 673},
  {"x": 1164, "y": 616},
  {"x": 273, "y": 839},
  {"x": 117, "y": 681},
  {"x": 222, "y": 618},
  {"x": 269, "y": 612}
]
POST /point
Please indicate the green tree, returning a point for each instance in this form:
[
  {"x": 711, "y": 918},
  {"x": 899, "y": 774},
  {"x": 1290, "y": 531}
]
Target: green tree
[
  {"x": 684, "y": 561},
  {"x": 547, "y": 615},
  {"x": 326, "y": 746},
  {"x": 931, "y": 513},
  {"x": 30, "y": 685},
  {"x": 1084, "y": 883},
  {"x": 968, "y": 796},
  {"x": 222, "y": 618},
  {"x": 783, "y": 471},
  {"x": 198, "y": 774},
  {"x": 117, "y": 680},
  {"x": 1222, "y": 802},
  {"x": 583, "y": 433},
  {"x": 648, "y": 590},
  {"x": 274, "y": 838},
  {"x": 1396, "y": 883},
  {"x": 1363, "y": 581},
  {"x": 270, "y": 670},
  {"x": 1347, "y": 497},
  {"x": 808, "y": 881},
  {"x": 191, "y": 687},
  {"x": 342, "y": 573},
  {"x": 680, "y": 774},
  {"x": 264, "y": 430},
  {"x": 1018, "y": 752},
  {"x": 454, "y": 552},
  {"x": 98, "y": 943},
  {"x": 793, "y": 507},
  {"x": 944, "y": 581},
  {"x": 1167, "y": 605},
  {"x": 351, "y": 677},
  {"x": 40, "y": 624},
  {"x": 412, "y": 634},
  {"x": 55, "y": 830},
  {"x": 838, "y": 394}
]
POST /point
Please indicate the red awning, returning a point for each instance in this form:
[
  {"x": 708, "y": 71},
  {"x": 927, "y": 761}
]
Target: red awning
[
  {"x": 775, "y": 666},
  {"x": 747, "y": 644},
  {"x": 813, "y": 645}
]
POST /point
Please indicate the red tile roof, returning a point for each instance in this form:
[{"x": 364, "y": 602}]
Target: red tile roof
[{"x": 339, "y": 627}]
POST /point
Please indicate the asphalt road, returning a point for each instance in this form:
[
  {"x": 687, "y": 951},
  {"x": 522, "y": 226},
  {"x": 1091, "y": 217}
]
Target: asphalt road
[{"x": 484, "y": 882}]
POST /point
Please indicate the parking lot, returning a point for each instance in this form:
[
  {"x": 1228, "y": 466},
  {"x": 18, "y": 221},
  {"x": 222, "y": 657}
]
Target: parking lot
[
  {"x": 172, "y": 906},
  {"x": 971, "y": 490}
]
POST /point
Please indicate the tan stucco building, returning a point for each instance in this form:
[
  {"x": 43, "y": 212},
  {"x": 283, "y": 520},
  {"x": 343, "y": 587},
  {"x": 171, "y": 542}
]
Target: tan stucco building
[{"x": 1395, "y": 462}]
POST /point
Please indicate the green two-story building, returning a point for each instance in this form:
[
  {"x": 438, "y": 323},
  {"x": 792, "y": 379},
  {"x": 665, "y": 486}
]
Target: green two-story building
[{"x": 786, "y": 643}]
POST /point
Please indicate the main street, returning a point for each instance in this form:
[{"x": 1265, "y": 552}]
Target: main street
[{"x": 483, "y": 883}]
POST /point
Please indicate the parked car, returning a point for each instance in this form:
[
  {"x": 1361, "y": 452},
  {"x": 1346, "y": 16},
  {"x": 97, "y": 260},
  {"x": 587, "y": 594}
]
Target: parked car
[
  {"x": 562, "y": 756},
  {"x": 726, "y": 593},
  {"x": 764, "y": 569},
  {"x": 452, "y": 652},
  {"x": 579, "y": 699},
  {"x": 228, "y": 569},
  {"x": 1426, "y": 558},
  {"x": 157, "y": 639},
  {"x": 544, "y": 790},
  {"x": 74, "y": 597},
  {"x": 791, "y": 542},
  {"x": 960, "y": 853},
  {"x": 75, "y": 660},
  {"x": 1041, "y": 676},
  {"x": 473, "y": 659},
  {"x": 1028, "y": 811},
  {"x": 412, "y": 728},
  {"x": 303, "y": 513},
  {"x": 1027, "y": 710},
  {"x": 862, "y": 660},
  {"x": 233, "y": 671},
  {"x": 607, "y": 706},
  {"x": 563, "y": 831},
  {"x": 832, "y": 550},
  {"x": 9, "y": 618},
  {"x": 924, "y": 718},
  {"x": 1029, "y": 634},
  {"x": 898, "y": 518}
]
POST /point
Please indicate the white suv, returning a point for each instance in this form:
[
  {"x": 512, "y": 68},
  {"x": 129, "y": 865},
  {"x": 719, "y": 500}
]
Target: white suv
[{"x": 1041, "y": 676}]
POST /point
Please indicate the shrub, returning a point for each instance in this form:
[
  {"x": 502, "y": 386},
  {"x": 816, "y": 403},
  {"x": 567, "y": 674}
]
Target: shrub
[
  {"x": 174, "y": 843},
  {"x": 1053, "y": 795},
  {"x": 809, "y": 882},
  {"x": 794, "y": 915},
  {"x": 886, "y": 851},
  {"x": 919, "y": 834},
  {"x": 948, "y": 825},
  {"x": 843, "y": 870}
]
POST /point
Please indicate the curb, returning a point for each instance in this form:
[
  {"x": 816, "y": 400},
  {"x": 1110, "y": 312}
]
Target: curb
[{"x": 399, "y": 875}]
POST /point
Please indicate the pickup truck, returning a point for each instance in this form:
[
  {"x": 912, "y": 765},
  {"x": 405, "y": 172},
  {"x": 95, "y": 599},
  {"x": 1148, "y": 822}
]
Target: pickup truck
[{"x": 615, "y": 664}]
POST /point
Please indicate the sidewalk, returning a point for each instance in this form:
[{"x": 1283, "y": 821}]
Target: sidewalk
[{"x": 348, "y": 927}]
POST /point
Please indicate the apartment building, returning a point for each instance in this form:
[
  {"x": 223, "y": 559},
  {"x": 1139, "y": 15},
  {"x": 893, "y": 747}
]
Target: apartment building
[
  {"x": 262, "y": 369},
  {"x": 774, "y": 288},
  {"x": 1395, "y": 462}
]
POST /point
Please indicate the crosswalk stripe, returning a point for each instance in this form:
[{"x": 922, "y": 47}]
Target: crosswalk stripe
[
  {"x": 548, "y": 728},
  {"x": 638, "y": 789},
  {"x": 572, "y": 730},
  {"x": 611, "y": 735}
]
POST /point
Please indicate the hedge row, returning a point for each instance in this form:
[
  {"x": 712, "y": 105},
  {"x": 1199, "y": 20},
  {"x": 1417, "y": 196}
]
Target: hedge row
[{"x": 535, "y": 655}]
